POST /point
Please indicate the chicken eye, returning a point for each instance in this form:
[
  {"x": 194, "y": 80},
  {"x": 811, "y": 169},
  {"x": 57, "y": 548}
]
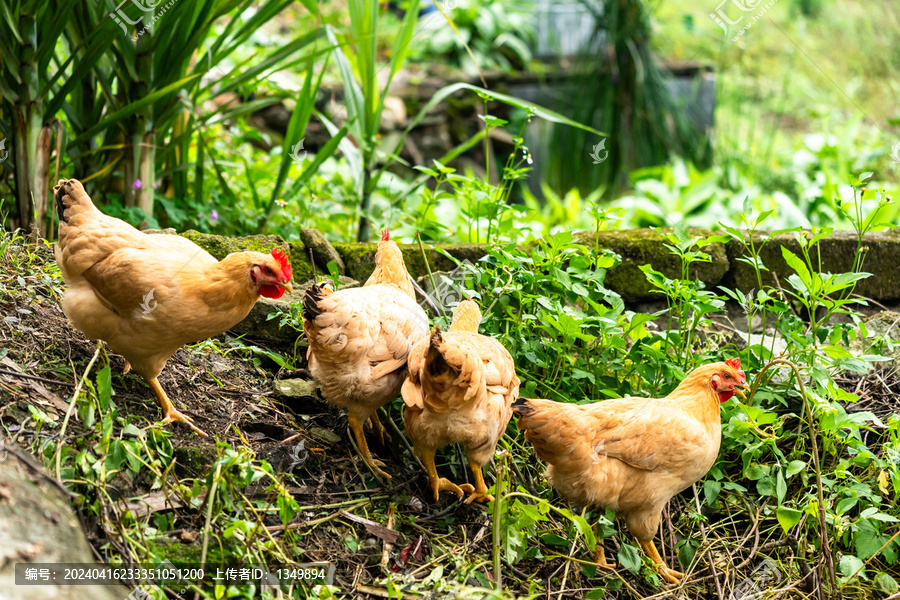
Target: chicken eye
[
  {"x": 727, "y": 376},
  {"x": 269, "y": 271}
]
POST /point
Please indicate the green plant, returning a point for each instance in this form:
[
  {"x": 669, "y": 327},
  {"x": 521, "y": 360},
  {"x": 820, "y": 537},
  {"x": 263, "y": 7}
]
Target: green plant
[
  {"x": 145, "y": 108},
  {"x": 496, "y": 35},
  {"x": 35, "y": 82},
  {"x": 689, "y": 304}
]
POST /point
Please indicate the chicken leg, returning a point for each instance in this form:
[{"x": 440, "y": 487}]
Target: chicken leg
[
  {"x": 170, "y": 413},
  {"x": 364, "y": 451},
  {"x": 600, "y": 552},
  {"x": 668, "y": 574},
  {"x": 438, "y": 484},
  {"x": 479, "y": 491},
  {"x": 379, "y": 430},
  {"x": 600, "y": 558}
]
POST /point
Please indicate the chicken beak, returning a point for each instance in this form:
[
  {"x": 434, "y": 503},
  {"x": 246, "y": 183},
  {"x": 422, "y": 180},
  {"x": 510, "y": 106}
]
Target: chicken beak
[
  {"x": 288, "y": 287},
  {"x": 740, "y": 392}
]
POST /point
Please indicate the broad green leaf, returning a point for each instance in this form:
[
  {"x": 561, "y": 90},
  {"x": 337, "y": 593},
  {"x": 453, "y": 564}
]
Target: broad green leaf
[
  {"x": 629, "y": 557},
  {"x": 797, "y": 264},
  {"x": 851, "y": 565},
  {"x": 788, "y": 518},
  {"x": 886, "y": 584}
]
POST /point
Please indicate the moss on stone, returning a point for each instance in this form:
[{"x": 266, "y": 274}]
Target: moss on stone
[
  {"x": 647, "y": 246},
  {"x": 220, "y": 246},
  {"x": 836, "y": 255},
  {"x": 303, "y": 270},
  {"x": 360, "y": 258}
]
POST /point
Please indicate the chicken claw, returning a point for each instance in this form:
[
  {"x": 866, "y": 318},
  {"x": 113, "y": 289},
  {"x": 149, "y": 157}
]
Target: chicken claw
[
  {"x": 670, "y": 575},
  {"x": 379, "y": 430},
  {"x": 445, "y": 485},
  {"x": 170, "y": 413},
  {"x": 439, "y": 484},
  {"x": 600, "y": 559},
  {"x": 479, "y": 491},
  {"x": 363, "y": 446},
  {"x": 175, "y": 415}
]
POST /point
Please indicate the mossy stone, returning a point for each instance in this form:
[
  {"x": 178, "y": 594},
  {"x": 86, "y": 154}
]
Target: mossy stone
[
  {"x": 836, "y": 254},
  {"x": 299, "y": 256},
  {"x": 360, "y": 258},
  {"x": 221, "y": 246},
  {"x": 322, "y": 250},
  {"x": 647, "y": 246}
]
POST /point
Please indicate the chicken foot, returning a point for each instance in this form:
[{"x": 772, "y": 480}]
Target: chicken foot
[
  {"x": 379, "y": 430},
  {"x": 600, "y": 559},
  {"x": 170, "y": 413},
  {"x": 439, "y": 484},
  {"x": 600, "y": 552},
  {"x": 479, "y": 491},
  {"x": 670, "y": 575},
  {"x": 363, "y": 446}
]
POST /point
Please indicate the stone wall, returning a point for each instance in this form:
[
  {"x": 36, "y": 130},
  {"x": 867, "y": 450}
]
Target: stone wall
[{"x": 636, "y": 247}]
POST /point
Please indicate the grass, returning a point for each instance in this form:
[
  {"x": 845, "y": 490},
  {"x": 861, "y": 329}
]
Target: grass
[{"x": 279, "y": 485}]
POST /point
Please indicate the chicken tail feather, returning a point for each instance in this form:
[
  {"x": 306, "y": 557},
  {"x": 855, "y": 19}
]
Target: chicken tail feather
[
  {"x": 435, "y": 363},
  {"x": 542, "y": 422},
  {"x": 312, "y": 298},
  {"x": 70, "y": 193}
]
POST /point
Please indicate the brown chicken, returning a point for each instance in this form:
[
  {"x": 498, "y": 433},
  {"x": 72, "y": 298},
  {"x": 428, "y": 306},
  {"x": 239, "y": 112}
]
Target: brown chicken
[
  {"x": 359, "y": 341},
  {"x": 146, "y": 296},
  {"x": 633, "y": 455},
  {"x": 460, "y": 389}
]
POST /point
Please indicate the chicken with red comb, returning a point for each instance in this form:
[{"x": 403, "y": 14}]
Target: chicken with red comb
[
  {"x": 146, "y": 296},
  {"x": 632, "y": 455}
]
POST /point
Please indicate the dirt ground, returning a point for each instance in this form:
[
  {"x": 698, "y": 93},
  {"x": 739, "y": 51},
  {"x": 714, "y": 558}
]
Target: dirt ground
[{"x": 233, "y": 398}]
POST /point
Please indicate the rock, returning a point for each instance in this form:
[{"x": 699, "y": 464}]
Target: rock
[
  {"x": 167, "y": 231},
  {"x": 880, "y": 324},
  {"x": 220, "y": 247},
  {"x": 394, "y": 114},
  {"x": 741, "y": 341},
  {"x": 837, "y": 254},
  {"x": 645, "y": 246},
  {"x": 257, "y": 325},
  {"x": 295, "y": 388},
  {"x": 360, "y": 258},
  {"x": 323, "y": 251},
  {"x": 38, "y": 525},
  {"x": 325, "y": 434}
]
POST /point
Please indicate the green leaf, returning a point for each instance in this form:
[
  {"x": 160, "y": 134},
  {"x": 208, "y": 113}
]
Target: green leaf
[
  {"x": 795, "y": 467},
  {"x": 629, "y": 557},
  {"x": 788, "y": 518},
  {"x": 11, "y": 22},
  {"x": 780, "y": 487},
  {"x": 886, "y": 584},
  {"x": 104, "y": 387},
  {"x": 797, "y": 264},
  {"x": 129, "y": 110},
  {"x": 711, "y": 489},
  {"x": 297, "y": 125},
  {"x": 851, "y": 565}
]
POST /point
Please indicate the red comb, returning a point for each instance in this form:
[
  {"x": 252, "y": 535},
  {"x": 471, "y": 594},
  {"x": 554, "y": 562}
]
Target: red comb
[
  {"x": 279, "y": 255},
  {"x": 385, "y": 235},
  {"x": 734, "y": 363}
]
